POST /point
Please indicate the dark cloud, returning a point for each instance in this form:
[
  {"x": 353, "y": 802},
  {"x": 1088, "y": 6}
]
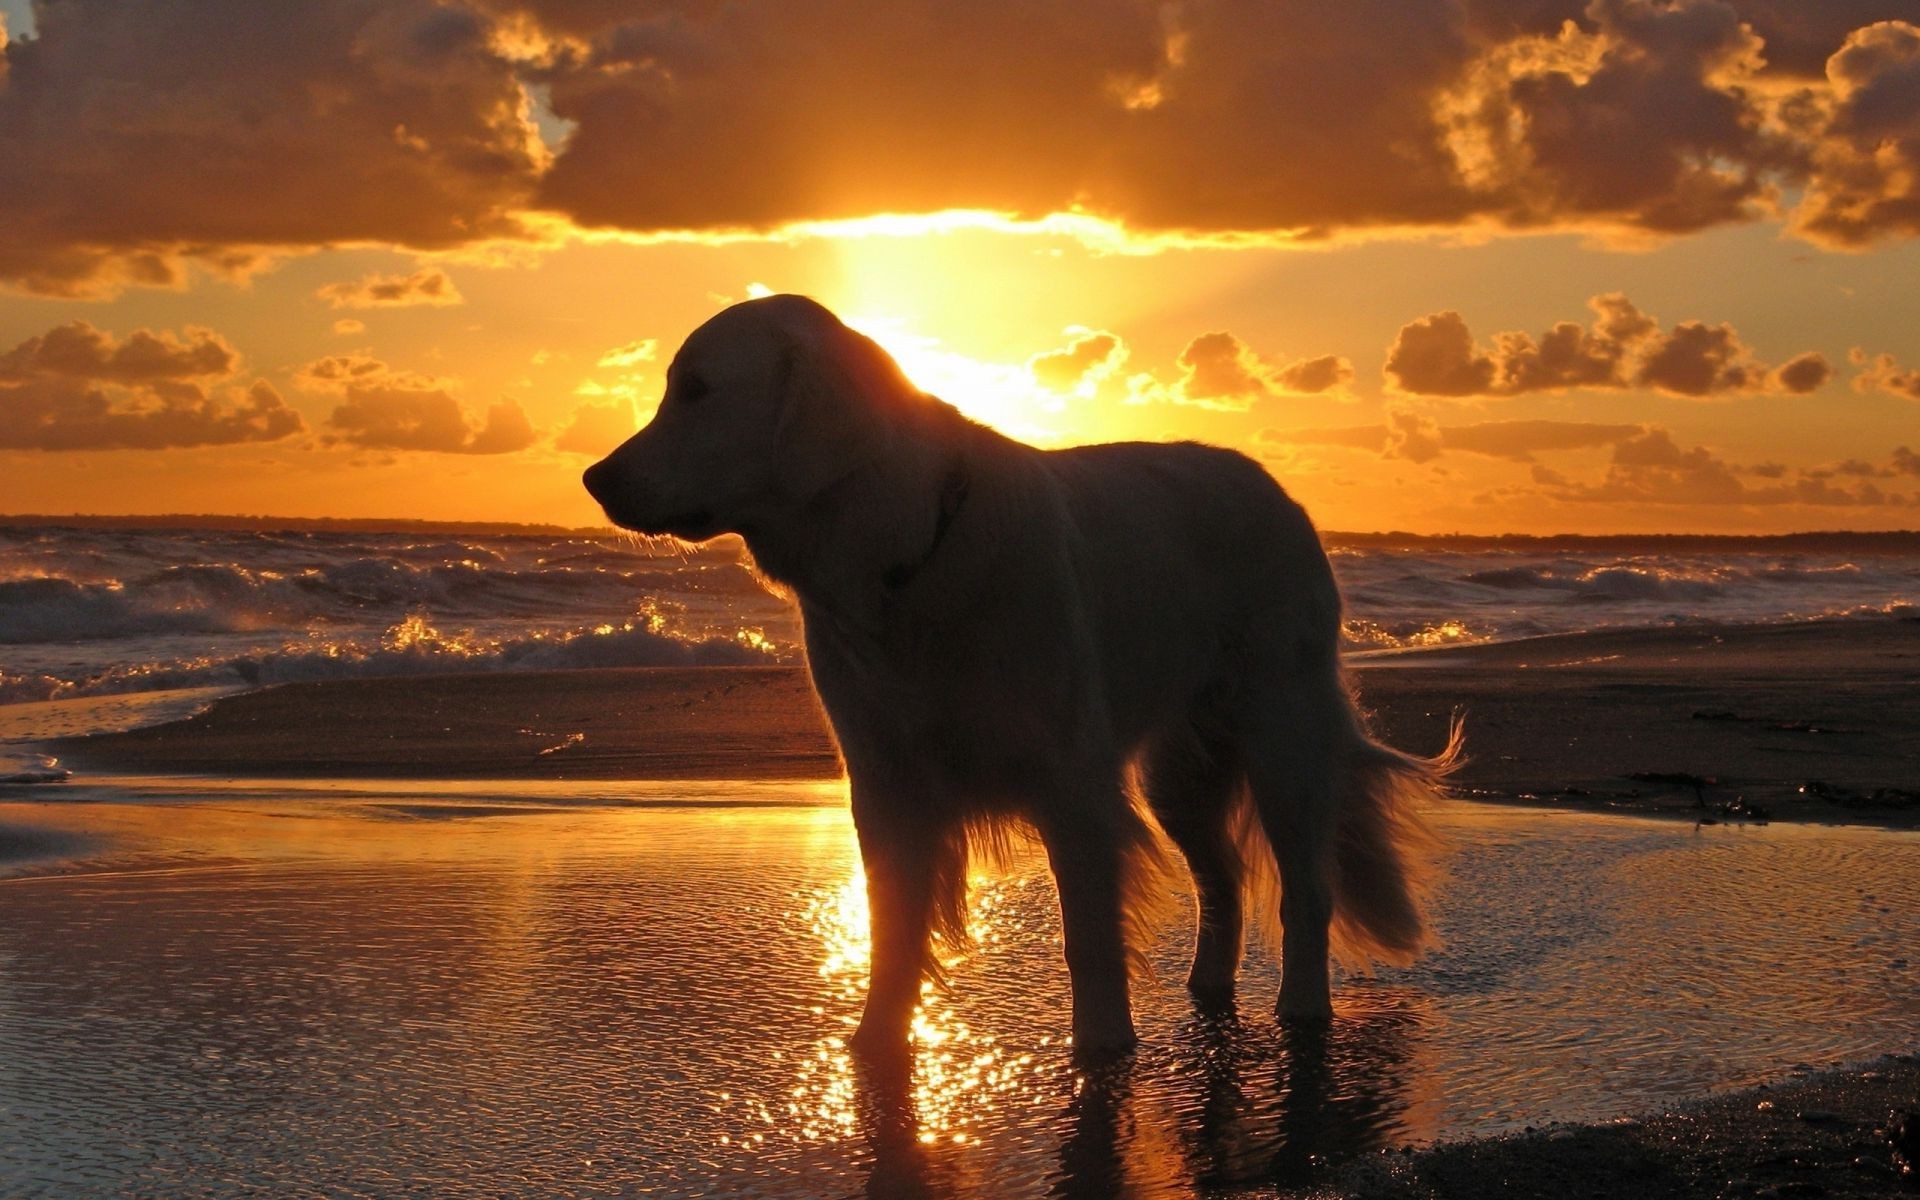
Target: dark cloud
[
  {"x": 1092, "y": 351},
  {"x": 1220, "y": 371},
  {"x": 1867, "y": 183},
  {"x": 1798, "y": 36},
  {"x": 76, "y": 387},
  {"x": 136, "y": 138},
  {"x": 1803, "y": 373},
  {"x": 1643, "y": 121},
  {"x": 77, "y": 350},
  {"x": 1311, "y": 376},
  {"x": 1623, "y": 347},
  {"x": 429, "y": 286},
  {"x": 384, "y": 409},
  {"x": 1905, "y": 461},
  {"x": 1698, "y": 359}
]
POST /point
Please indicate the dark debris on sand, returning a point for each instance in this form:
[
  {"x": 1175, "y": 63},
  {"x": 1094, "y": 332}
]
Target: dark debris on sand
[{"x": 1846, "y": 1135}]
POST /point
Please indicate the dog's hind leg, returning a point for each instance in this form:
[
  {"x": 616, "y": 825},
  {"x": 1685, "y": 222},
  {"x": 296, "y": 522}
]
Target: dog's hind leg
[
  {"x": 1191, "y": 784},
  {"x": 1293, "y": 745},
  {"x": 1092, "y": 851}
]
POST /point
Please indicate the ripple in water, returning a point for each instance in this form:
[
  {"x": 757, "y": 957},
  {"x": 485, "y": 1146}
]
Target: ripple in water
[{"x": 295, "y": 999}]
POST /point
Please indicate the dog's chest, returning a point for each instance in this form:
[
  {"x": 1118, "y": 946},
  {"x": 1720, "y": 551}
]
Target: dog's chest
[{"x": 972, "y": 712}]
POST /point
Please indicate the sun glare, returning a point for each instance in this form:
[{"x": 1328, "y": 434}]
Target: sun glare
[{"x": 1002, "y": 395}]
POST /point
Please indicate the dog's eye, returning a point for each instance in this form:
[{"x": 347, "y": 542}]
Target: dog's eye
[{"x": 689, "y": 388}]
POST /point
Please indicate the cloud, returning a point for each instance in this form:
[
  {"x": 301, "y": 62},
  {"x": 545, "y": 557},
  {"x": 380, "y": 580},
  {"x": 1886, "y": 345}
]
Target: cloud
[
  {"x": 1090, "y": 356},
  {"x": 1905, "y": 461},
  {"x": 1220, "y": 371},
  {"x": 1419, "y": 439},
  {"x": 349, "y": 325},
  {"x": 76, "y": 387},
  {"x": 77, "y": 350},
  {"x": 137, "y": 140},
  {"x": 429, "y": 286},
  {"x": 1651, "y": 468},
  {"x": 141, "y": 143},
  {"x": 1883, "y": 373},
  {"x": 1265, "y": 116},
  {"x": 1866, "y": 183},
  {"x": 1623, "y": 347},
  {"x": 1803, "y": 373},
  {"x": 630, "y": 355},
  {"x": 1647, "y": 121},
  {"x": 384, "y": 409},
  {"x": 595, "y": 429}
]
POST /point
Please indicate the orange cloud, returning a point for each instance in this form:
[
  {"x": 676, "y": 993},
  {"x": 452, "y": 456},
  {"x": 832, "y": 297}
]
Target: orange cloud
[
  {"x": 1420, "y": 439},
  {"x": 1883, "y": 373},
  {"x": 76, "y": 387},
  {"x": 1220, "y": 371},
  {"x": 1090, "y": 356},
  {"x": 1624, "y": 347},
  {"x": 428, "y": 286},
  {"x": 384, "y": 409}
]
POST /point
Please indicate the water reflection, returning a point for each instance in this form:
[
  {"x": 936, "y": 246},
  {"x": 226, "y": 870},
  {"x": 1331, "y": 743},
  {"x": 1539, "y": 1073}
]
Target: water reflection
[
  {"x": 1224, "y": 1103},
  {"x": 314, "y": 997}
]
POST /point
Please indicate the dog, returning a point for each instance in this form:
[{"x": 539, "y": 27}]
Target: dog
[{"x": 1103, "y": 643}]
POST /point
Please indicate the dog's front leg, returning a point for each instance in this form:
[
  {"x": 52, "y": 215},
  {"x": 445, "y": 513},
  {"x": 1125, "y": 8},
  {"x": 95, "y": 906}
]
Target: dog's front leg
[{"x": 902, "y": 860}]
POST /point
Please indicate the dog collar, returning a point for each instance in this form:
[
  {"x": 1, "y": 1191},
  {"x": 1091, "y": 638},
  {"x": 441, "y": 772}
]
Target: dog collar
[{"x": 953, "y": 493}]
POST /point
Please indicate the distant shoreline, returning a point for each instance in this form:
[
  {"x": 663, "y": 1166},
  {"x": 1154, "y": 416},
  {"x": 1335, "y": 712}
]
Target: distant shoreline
[{"x": 1902, "y": 541}]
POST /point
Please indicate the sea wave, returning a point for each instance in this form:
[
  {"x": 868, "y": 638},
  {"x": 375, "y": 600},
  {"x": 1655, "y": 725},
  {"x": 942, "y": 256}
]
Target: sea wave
[
  {"x": 96, "y": 610},
  {"x": 413, "y": 647}
]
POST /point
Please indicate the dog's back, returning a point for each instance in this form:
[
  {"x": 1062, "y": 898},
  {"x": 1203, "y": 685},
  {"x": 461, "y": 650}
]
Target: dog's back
[{"x": 1194, "y": 566}]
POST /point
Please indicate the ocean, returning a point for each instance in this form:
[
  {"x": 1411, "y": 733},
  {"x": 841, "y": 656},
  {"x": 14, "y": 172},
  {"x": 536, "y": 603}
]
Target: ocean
[{"x": 94, "y": 610}]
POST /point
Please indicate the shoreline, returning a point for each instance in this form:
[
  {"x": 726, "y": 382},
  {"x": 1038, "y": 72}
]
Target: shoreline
[
  {"x": 1834, "y": 1133},
  {"x": 1810, "y": 721}
]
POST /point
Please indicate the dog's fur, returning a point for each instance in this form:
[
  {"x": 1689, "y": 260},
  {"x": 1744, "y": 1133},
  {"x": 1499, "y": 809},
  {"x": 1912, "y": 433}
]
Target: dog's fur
[{"x": 1093, "y": 641}]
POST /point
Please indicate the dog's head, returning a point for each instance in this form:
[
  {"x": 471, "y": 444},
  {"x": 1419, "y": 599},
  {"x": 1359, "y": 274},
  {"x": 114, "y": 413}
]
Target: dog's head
[{"x": 767, "y": 405}]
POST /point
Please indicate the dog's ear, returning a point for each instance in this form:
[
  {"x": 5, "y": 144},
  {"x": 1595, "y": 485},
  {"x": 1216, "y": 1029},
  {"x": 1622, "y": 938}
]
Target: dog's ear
[{"x": 839, "y": 395}]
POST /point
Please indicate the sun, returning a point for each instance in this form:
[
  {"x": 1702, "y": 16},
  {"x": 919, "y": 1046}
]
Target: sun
[{"x": 1003, "y": 395}]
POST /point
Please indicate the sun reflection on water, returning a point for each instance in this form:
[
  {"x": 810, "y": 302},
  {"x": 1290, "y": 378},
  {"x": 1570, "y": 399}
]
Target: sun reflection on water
[{"x": 960, "y": 1076}]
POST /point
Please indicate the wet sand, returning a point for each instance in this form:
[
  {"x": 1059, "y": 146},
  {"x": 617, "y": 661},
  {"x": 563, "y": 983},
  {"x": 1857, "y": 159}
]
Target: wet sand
[
  {"x": 1846, "y": 1135},
  {"x": 1814, "y": 721}
]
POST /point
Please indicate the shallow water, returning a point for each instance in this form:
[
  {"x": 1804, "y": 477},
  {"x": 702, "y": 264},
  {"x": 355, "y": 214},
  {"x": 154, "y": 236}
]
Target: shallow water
[{"x": 456, "y": 993}]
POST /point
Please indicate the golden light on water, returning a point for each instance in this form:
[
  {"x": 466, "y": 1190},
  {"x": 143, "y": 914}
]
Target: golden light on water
[{"x": 960, "y": 1076}]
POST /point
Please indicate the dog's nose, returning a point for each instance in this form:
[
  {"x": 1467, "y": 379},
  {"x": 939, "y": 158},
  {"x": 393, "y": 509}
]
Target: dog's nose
[{"x": 598, "y": 479}]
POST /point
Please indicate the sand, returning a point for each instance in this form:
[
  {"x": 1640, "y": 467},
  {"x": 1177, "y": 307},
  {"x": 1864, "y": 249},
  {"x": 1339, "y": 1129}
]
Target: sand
[
  {"x": 1837, "y": 1135},
  {"x": 1814, "y": 721}
]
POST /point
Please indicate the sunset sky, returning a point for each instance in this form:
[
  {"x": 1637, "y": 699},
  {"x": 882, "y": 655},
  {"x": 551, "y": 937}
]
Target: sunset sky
[{"x": 1443, "y": 265}]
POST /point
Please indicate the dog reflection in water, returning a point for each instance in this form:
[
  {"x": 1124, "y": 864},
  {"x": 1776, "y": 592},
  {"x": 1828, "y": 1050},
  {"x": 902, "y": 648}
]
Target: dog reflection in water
[{"x": 1090, "y": 642}]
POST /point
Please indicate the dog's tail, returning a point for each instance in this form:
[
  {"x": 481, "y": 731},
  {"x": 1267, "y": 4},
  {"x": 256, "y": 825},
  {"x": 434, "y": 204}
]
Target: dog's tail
[
  {"x": 1380, "y": 856},
  {"x": 1384, "y": 850}
]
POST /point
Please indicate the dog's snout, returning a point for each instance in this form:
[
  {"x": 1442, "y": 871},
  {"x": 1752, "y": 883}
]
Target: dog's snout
[{"x": 598, "y": 479}]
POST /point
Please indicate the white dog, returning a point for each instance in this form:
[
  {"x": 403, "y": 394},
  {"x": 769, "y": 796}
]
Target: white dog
[{"x": 1005, "y": 634}]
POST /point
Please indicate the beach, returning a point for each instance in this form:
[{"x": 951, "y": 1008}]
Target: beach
[
  {"x": 1808, "y": 721},
  {"x": 598, "y": 931}
]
